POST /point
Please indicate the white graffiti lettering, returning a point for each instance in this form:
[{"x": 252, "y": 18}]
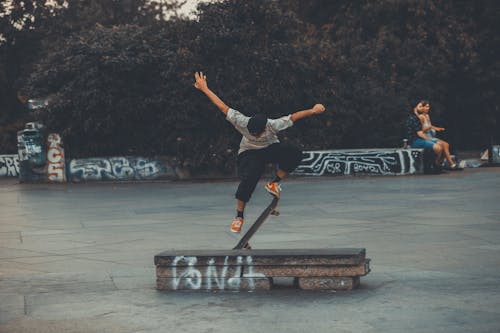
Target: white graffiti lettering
[
  {"x": 121, "y": 168},
  {"x": 234, "y": 281},
  {"x": 54, "y": 155},
  {"x": 89, "y": 169},
  {"x": 251, "y": 275},
  {"x": 367, "y": 168},
  {"x": 211, "y": 275},
  {"x": 378, "y": 161},
  {"x": 334, "y": 168},
  {"x": 190, "y": 277},
  {"x": 147, "y": 169},
  {"x": 54, "y": 140},
  {"x": 115, "y": 168},
  {"x": 9, "y": 166}
]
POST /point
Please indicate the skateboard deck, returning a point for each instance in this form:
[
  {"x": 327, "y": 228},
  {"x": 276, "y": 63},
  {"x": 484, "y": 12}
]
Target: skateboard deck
[{"x": 243, "y": 243}]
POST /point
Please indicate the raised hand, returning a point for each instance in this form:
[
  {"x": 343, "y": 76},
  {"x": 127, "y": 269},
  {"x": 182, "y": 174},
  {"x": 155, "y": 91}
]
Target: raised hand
[
  {"x": 318, "y": 108},
  {"x": 200, "y": 81},
  {"x": 201, "y": 84},
  {"x": 417, "y": 108}
]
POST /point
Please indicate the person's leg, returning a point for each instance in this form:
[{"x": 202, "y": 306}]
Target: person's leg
[
  {"x": 429, "y": 145},
  {"x": 438, "y": 150},
  {"x": 281, "y": 173},
  {"x": 250, "y": 169},
  {"x": 287, "y": 157},
  {"x": 446, "y": 151},
  {"x": 240, "y": 207}
]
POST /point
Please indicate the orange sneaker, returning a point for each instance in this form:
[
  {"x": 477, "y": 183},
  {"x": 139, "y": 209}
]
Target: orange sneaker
[
  {"x": 274, "y": 188},
  {"x": 237, "y": 224}
]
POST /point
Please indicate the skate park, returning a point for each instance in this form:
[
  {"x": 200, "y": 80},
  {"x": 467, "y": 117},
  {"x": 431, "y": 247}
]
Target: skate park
[
  {"x": 79, "y": 257},
  {"x": 249, "y": 166}
]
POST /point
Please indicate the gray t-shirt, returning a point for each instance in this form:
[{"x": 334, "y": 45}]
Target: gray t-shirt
[{"x": 269, "y": 137}]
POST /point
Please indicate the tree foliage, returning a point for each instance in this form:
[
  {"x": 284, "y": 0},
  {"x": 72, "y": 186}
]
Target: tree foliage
[
  {"x": 390, "y": 54},
  {"x": 124, "y": 85},
  {"x": 31, "y": 31}
]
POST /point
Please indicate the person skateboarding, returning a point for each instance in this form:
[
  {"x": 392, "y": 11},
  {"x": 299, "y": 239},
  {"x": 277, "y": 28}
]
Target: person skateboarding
[{"x": 259, "y": 145}]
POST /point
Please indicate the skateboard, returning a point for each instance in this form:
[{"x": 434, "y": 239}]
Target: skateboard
[{"x": 271, "y": 209}]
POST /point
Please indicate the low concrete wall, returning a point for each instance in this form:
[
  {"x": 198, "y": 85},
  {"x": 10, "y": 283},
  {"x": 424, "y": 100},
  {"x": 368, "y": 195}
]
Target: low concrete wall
[
  {"x": 386, "y": 161},
  {"x": 9, "y": 165},
  {"x": 383, "y": 161}
]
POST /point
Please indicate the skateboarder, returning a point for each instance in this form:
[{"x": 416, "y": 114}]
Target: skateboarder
[{"x": 259, "y": 145}]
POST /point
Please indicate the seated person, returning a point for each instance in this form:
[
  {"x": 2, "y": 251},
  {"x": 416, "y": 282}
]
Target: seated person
[
  {"x": 430, "y": 131},
  {"x": 418, "y": 139}
]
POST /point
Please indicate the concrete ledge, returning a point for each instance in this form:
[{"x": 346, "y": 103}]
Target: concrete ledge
[
  {"x": 9, "y": 165},
  {"x": 376, "y": 161},
  {"x": 338, "y": 256},
  {"x": 340, "y": 283},
  {"x": 232, "y": 284},
  {"x": 312, "y": 269}
]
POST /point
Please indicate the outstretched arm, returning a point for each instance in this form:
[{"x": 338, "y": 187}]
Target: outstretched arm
[
  {"x": 201, "y": 84},
  {"x": 316, "y": 109},
  {"x": 438, "y": 129}
]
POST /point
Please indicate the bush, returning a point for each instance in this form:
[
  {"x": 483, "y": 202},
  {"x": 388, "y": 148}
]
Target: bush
[{"x": 127, "y": 89}]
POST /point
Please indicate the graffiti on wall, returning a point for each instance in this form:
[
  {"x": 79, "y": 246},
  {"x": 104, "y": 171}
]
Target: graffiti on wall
[
  {"x": 378, "y": 162},
  {"x": 115, "y": 168},
  {"x": 186, "y": 275},
  {"x": 30, "y": 144},
  {"x": 9, "y": 166},
  {"x": 55, "y": 159}
]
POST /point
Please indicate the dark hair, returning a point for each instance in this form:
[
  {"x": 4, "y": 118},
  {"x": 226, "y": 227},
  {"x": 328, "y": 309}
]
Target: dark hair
[
  {"x": 424, "y": 102},
  {"x": 257, "y": 124}
]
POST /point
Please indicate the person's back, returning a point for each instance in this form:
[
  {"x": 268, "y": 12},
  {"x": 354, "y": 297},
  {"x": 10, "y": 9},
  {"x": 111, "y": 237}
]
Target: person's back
[
  {"x": 418, "y": 139},
  {"x": 412, "y": 125},
  {"x": 266, "y": 129}
]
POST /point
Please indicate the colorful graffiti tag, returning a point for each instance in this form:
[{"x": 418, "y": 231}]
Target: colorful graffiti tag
[
  {"x": 370, "y": 161},
  {"x": 9, "y": 166},
  {"x": 55, "y": 159},
  {"x": 115, "y": 168}
]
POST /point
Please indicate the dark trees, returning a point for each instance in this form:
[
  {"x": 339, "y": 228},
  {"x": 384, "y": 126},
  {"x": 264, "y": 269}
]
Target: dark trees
[
  {"x": 385, "y": 55},
  {"x": 124, "y": 85},
  {"x": 128, "y": 89},
  {"x": 31, "y": 32}
]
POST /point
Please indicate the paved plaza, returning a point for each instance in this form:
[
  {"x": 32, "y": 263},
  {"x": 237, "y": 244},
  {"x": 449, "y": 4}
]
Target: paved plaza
[{"x": 79, "y": 257}]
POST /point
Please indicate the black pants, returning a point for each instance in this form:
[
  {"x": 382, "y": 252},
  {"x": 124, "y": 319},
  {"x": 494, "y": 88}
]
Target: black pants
[{"x": 251, "y": 165}]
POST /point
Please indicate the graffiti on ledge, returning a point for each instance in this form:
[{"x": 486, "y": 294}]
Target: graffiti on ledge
[
  {"x": 186, "y": 275},
  {"x": 378, "y": 162},
  {"x": 115, "y": 168},
  {"x": 9, "y": 166},
  {"x": 55, "y": 159}
]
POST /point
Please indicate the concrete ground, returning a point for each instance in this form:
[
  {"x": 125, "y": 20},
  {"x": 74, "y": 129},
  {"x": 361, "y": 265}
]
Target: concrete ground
[{"x": 79, "y": 257}]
